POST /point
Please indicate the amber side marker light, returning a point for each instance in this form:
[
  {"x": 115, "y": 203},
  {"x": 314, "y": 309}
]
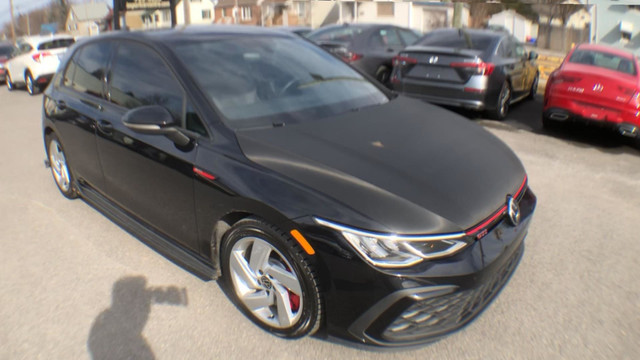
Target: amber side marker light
[{"x": 302, "y": 241}]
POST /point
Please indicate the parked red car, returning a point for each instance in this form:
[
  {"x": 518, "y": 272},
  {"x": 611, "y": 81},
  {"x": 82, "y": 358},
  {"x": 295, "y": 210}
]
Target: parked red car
[{"x": 595, "y": 84}]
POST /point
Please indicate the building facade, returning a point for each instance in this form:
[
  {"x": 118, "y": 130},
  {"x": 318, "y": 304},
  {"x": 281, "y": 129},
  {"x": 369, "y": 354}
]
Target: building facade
[
  {"x": 616, "y": 24},
  {"x": 87, "y": 19}
]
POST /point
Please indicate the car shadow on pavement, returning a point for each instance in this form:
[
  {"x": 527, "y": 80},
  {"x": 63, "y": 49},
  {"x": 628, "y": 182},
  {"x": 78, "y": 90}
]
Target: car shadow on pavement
[
  {"x": 117, "y": 332},
  {"x": 527, "y": 115}
]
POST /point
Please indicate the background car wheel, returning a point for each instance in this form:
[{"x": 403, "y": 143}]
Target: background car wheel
[
  {"x": 534, "y": 87},
  {"x": 9, "y": 83},
  {"x": 382, "y": 75},
  {"x": 502, "y": 105},
  {"x": 269, "y": 277},
  {"x": 32, "y": 88},
  {"x": 60, "y": 169}
]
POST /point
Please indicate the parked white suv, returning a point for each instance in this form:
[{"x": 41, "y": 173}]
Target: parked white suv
[{"x": 36, "y": 61}]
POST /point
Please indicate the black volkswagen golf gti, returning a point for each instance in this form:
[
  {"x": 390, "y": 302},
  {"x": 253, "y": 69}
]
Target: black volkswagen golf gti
[{"x": 320, "y": 200}]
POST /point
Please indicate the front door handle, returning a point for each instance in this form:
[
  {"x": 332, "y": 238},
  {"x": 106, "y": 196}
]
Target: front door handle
[
  {"x": 61, "y": 105},
  {"x": 105, "y": 127}
]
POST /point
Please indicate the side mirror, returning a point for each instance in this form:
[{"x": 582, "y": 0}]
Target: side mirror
[
  {"x": 155, "y": 120},
  {"x": 533, "y": 55}
]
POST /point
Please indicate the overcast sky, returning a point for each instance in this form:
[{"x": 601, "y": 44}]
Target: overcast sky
[{"x": 23, "y": 6}]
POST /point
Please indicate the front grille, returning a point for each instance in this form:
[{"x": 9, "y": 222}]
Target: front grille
[{"x": 445, "y": 313}]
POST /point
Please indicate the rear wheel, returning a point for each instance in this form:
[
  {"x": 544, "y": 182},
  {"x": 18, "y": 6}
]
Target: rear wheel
[
  {"x": 270, "y": 278},
  {"x": 60, "y": 168},
  {"x": 32, "y": 88},
  {"x": 382, "y": 74},
  {"x": 502, "y": 105}
]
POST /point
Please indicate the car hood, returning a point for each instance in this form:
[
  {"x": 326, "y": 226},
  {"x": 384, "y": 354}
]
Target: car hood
[{"x": 411, "y": 167}]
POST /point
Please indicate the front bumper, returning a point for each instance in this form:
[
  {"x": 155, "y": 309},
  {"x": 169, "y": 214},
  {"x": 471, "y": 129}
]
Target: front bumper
[{"x": 409, "y": 307}]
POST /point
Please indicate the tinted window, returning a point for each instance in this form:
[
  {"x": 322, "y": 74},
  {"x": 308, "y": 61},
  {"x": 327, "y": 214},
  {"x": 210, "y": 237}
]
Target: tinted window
[
  {"x": 408, "y": 36},
  {"x": 24, "y": 48},
  {"x": 256, "y": 80},
  {"x": 604, "y": 60},
  {"x": 86, "y": 70},
  {"x": 345, "y": 33},
  {"x": 457, "y": 40},
  {"x": 6, "y": 50},
  {"x": 56, "y": 44},
  {"x": 385, "y": 38},
  {"x": 139, "y": 77}
]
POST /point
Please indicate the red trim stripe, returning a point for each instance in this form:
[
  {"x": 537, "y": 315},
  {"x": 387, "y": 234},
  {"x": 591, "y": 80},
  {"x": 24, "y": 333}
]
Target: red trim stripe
[
  {"x": 474, "y": 230},
  {"x": 498, "y": 213}
]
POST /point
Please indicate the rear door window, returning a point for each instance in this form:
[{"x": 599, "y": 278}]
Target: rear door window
[
  {"x": 56, "y": 44},
  {"x": 386, "y": 38},
  {"x": 408, "y": 36}
]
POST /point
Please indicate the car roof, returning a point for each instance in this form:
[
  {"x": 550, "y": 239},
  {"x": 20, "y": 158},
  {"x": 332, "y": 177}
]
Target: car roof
[
  {"x": 188, "y": 32},
  {"x": 39, "y": 39},
  {"x": 608, "y": 49},
  {"x": 481, "y": 32}
]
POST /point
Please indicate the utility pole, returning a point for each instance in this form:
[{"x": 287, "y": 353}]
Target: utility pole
[{"x": 13, "y": 29}]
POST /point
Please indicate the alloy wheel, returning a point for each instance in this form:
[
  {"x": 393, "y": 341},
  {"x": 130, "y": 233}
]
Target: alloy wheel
[
  {"x": 265, "y": 282},
  {"x": 29, "y": 81},
  {"x": 59, "y": 166}
]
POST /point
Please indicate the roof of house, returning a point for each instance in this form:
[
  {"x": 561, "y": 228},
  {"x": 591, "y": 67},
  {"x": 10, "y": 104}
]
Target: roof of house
[{"x": 89, "y": 11}]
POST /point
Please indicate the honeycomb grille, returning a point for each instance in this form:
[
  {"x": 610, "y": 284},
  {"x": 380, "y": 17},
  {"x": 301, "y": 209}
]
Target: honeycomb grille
[{"x": 445, "y": 313}]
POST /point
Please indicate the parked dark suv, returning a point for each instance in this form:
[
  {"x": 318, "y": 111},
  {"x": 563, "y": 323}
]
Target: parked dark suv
[
  {"x": 474, "y": 69},
  {"x": 318, "y": 198},
  {"x": 368, "y": 47}
]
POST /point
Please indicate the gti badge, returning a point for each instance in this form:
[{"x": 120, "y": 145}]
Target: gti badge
[
  {"x": 433, "y": 60},
  {"x": 513, "y": 210}
]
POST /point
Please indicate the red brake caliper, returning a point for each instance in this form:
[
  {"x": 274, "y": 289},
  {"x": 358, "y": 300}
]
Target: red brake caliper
[{"x": 294, "y": 299}]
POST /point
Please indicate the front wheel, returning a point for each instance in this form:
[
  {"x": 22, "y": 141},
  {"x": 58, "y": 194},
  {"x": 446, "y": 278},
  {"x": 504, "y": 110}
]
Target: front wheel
[
  {"x": 10, "y": 85},
  {"x": 534, "y": 87},
  {"x": 59, "y": 167},
  {"x": 269, "y": 277}
]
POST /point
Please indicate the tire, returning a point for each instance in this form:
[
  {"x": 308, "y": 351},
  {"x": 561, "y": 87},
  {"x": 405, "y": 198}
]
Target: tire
[
  {"x": 383, "y": 75},
  {"x": 60, "y": 169},
  {"x": 10, "y": 85},
  {"x": 502, "y": 103},
  {"x": 32, "y": 88},
  {"x": 271, "y": 279},
  {"x": 534, "y": 87}
]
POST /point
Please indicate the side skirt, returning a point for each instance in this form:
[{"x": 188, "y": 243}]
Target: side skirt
[{"x": 177, "y": 254}]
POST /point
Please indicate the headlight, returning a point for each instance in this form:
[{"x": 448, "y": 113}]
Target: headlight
[{"x": 390, "y": 250}]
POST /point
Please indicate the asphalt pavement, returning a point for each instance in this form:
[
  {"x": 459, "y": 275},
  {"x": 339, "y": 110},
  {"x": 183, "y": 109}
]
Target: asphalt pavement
[{"x": 73, "y": 285}]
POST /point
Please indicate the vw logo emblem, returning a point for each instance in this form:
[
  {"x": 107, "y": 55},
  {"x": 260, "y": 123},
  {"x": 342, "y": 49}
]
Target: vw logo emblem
[
  {"x": 513, "y": 210},
  {"x": 433, "y": 60}
]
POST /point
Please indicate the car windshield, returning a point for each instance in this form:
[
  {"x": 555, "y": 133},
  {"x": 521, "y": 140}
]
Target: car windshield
[
  {"x": 260, "y": 80},
  {"x": 604, "y": 60},
  {"x": 6, "y": 50},
  {"x": 457, "y": 40}
]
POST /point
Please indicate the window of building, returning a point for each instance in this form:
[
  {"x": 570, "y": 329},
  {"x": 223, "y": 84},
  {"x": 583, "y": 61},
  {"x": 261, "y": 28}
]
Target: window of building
[
  {"x": 245, "y": 13},
  {"x": 206, "y": 14},
  {"x": 301, "y": 8},
  {"x": 137, "y": 83},
  {"x": 166, "y": 15},
  {"x": 385, "y": 8},
  {"x": 223, "y": 12},
  {"x": 86, "y": 70},
  {"x": 634, "y": 7}
]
